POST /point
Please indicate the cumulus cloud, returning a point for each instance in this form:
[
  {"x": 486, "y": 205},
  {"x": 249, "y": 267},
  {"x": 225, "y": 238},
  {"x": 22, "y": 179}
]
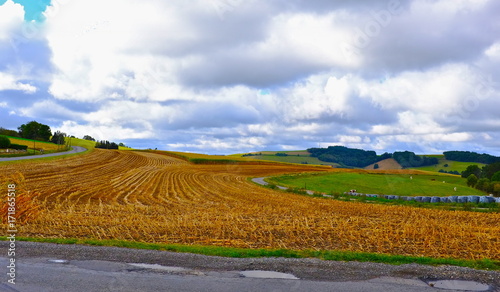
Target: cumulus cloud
[
  {"x": 233, "y": 76},
  {"x": 11, "y": 17},
  {"x": 9, "y": 82}
]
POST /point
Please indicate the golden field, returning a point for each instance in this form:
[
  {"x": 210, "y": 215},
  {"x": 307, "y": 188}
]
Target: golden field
[
  {"x": 153, "y": 197},
  {"x": 37, "y": 144}
]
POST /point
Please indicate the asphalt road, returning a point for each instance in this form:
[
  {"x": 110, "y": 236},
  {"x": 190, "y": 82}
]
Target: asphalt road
[
  {"x": 87, "y": 268},
  {"x": 76, "y": 149}
]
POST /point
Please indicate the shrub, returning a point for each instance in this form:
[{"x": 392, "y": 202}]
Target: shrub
[
  {"x": 4, "y": 142},
  {"x": 18, "y": 147},
  {"x": 496, "y": 177}
]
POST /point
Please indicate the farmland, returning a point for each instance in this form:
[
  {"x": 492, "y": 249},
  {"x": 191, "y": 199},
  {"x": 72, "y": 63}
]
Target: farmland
[
  {"x": 158, "y": 197},
  {"x": 451, "y": 165},
  {"x": 301, "y": 157}
]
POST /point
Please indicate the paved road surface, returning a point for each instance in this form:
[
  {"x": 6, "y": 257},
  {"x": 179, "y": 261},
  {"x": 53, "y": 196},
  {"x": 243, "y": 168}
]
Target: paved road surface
[
  {"x": 86, "y": 268},
  {"x": 76, "y": 149}
]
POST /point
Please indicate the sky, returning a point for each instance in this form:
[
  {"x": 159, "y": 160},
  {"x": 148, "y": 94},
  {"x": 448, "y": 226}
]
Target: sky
[{"x": 234, "y": 76}]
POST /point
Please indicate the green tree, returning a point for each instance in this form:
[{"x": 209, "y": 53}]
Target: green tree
[
  {"x": 58, "y": 138},
  {"x": 87, "y": 137},
  {"x": 36, "y": 131},
  {"x": 490, "y": 169},
  {"x": 471, "y": 169},
  {"x": 4, "y": 142},
  {"x": 483, "y": 184},
  {"x": 472, "y": 180},
  {"x": 8, "y": 132},
  {"x": 496, "y": 177},
  {"x": 376, "y": 166},
  {"x": 496, "y": 189}
]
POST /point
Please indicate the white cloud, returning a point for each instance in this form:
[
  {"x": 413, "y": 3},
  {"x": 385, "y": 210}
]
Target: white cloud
[
  {"x": 9, "y": 82},
  {"x": 493, "y": 52},
  {"x": 11, "y": 17},
  {"x": 434, "y": 91},
  {"x": 98, "y": 131},
  {"x": 319, "y": 39},
  {"x": 48, "y": 109},
  {"x": 263, "y": 74}
]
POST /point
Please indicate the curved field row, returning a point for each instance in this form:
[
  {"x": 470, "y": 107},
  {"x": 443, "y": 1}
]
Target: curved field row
[{"x": 156, "y": 198}]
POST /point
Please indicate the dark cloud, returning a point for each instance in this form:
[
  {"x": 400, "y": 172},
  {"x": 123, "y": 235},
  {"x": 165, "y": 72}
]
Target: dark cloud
[
  {"x": 408, "y": 43},
  {"x": 326, "y": 6},
  {"x": 245, "y": 68},
  {"x": 213, "y": 115}
]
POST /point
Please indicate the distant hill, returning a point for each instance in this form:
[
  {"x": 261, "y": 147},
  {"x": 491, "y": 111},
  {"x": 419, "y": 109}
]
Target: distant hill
[
  {"x": 298, "y": 156},
  {"x": 389, "y": 163},
  {"x": 347, "y": 156}
]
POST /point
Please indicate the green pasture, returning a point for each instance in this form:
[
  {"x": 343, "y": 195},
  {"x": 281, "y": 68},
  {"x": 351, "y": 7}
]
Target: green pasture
[
  {"x": 82, "y": 143},
  {"x": 452, "y": 165},
  {"x": 382, "y": 184}
]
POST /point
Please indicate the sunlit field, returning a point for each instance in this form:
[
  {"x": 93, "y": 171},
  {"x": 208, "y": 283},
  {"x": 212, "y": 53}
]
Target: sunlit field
[{"x": 158, "y": 198}]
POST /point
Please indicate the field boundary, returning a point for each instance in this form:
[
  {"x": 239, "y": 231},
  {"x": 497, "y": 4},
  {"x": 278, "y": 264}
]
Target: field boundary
[
  {"x": 213, "y": 160},
  {"x": 29, "y": 140},
  {"x": 231, "y": 252},
  {"x": 421, "y": 199}
]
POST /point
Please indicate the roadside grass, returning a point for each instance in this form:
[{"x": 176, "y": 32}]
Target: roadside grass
[
  {"x": 382, "y": 184},
  {"x": 29, "y": 152},
  {"x": 329, "y": 255}
]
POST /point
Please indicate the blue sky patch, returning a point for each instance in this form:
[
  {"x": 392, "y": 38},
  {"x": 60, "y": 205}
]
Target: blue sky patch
[{"x": 33, "y": 9}]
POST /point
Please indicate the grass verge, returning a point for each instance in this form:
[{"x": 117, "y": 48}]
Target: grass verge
[{"x": 483, "y": 264}]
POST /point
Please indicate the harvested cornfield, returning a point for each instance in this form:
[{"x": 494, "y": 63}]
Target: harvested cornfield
[{"x": 151, "y": 197}]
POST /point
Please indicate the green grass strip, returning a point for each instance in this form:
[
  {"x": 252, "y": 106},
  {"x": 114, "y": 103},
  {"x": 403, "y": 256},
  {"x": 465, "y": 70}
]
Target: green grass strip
[
  {"x": 483, "y": 264},
  {"x": 29, "y": 140}
]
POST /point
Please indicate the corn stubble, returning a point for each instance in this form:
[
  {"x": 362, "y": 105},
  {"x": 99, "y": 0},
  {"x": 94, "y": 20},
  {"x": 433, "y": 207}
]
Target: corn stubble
[{"x": 149, "y": 197}]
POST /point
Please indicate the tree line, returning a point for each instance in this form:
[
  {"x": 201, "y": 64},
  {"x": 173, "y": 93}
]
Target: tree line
[
  {"x": 467, "y": 156},
  {"x": 361, "y": 158},
  {"x": 36, "y": 131},
  {"x": 486, "y": 179},
  {"x": 347, "y": 156},
  {"x": 106, "y": 145},
  {"x": 410, "y": 159},
  {"x": 33, "y": 131},
  {"x": 40, "y": 132}
]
